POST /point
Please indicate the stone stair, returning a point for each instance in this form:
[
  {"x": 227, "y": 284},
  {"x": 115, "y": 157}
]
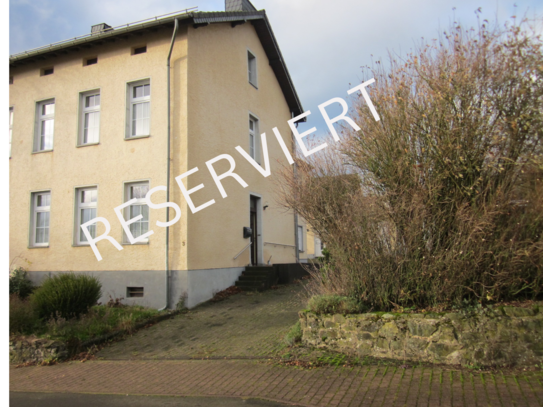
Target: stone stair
[{"x": 257, "y": 278}]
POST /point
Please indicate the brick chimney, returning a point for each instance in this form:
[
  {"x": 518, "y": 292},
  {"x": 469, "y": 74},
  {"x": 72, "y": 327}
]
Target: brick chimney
[{"x": 238, "y": 5}]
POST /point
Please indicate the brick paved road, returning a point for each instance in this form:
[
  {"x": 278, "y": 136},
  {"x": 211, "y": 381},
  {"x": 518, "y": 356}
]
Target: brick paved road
[
  {"x": 358, "y": 386},
  {"x": 244, "y": 325},
  {"x": 252, "y": 326}
]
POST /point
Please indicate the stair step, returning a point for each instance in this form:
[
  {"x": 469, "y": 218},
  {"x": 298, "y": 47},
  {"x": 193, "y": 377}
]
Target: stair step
[
  {"x": 253, "y": 278},
  {"x": 256, "y": 273},
  {"x": 266, "y": 268},
  {"x": 251, "y": 287}
]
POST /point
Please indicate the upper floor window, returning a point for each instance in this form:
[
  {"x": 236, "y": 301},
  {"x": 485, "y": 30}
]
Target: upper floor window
[
  {"x": 139, "y": 96},
  {"x": 90, "y": 61},
  {"x": 39, "y": 223},
  {"x": 86, "y": 205},
  {"x": 139, "y": 50},
  {"x": 89, "y": 132},
  {"x": 251, "y": 61},
  {"x": 10, "y": 128},
  {"x": 137, "y": 190},
  {"x": 45, "y": 121},
  {"x": 47, "y": 71},
  {"x": 253, "y": 139}
]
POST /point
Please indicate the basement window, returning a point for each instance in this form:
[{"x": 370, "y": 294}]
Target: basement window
[
  {"x": 47, "y": 71},
  {"x": 90, "y": 61},
  {"x": 134, "y": 292},
  {"x": 139, "y": 50}
]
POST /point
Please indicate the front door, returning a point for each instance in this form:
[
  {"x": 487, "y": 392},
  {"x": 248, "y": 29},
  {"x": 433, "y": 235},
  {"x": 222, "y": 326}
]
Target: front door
[{"x": 254, "y": 229}]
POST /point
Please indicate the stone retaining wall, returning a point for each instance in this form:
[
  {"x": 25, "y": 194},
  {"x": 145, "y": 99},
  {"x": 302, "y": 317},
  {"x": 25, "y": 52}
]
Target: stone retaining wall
[
  {"x": 36, "y": 350},
  {"x": 501, "y": 337}
]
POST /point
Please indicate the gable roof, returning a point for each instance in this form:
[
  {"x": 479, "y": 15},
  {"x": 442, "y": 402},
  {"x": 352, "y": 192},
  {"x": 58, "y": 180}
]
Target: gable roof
[{"x": 198, "y": 19}]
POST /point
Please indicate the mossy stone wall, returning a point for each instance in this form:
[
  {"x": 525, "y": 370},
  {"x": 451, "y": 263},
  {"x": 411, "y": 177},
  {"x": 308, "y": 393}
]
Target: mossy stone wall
[
  {"x": 36, "y": 350},
  {"x": 507, "y": 336}
]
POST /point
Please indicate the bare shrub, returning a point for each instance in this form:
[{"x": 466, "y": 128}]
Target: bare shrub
[{"x": 441, "y": 200}]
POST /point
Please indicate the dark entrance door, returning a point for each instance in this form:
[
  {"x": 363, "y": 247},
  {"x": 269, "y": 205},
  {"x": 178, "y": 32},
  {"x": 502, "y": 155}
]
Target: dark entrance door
[{"x": 254, "y": 228}]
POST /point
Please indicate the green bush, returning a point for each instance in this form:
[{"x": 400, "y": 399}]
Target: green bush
[
  {"x": 66, "y": 295},
  {"x": 19, "y": 283},
  {"x": 100, "y": 320},
  {"x": 294, "y": 335},
  {"x": 333, "y": 304},
  {"x": 22, "y": 316}
]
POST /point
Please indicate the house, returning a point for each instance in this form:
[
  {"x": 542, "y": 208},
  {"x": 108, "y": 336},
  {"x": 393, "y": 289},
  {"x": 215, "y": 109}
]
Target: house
[
  {"x": 102, "y": 119},
  {"x": 309, "y": 242}
]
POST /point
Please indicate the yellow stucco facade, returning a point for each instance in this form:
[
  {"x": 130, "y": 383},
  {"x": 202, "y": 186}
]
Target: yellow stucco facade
[{"x": 211, "y": 102}]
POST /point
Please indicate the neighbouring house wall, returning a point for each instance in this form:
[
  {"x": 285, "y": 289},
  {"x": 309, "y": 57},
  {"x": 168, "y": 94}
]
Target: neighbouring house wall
[
  {"x": 106, "y": 165},
  {"x": 503, "y": 337},
  {"x": 220, "y": 99}
]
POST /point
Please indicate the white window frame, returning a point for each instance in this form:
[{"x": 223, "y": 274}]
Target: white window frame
[
  {"x": 131, "y": 102},
  {"x": 301, "y": 238},
  {"x": 252, "y": 70},
  {"x": 254, "y": 137},
  {"x": 78, "y": 207},
  {"x": 84, "y": 111},
  {"x": 139, "y": 202},
  {"x": 35, "y": 209},
  {"x": 11, "y": 109},
  {"x": 40, "y": 118}
]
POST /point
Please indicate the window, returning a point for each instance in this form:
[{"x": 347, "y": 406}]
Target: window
[
  {"x": 251, "y": 61},
  {"x": 45, "y": 121},
  {"x": 134, "y": 292},
  {"x": 11, "y": 80},
  {"x": 139, "y": 50},
  {"x": 41, "y": 206},
  {"x": 90, "y": 61},
  {"x": 89, "y": 132},
  {"x": 47, "y": 71},
  {"x": 253, "y": 139},
  {"x": 86, "y": 204},
  {"x": 10, "y": 128},
  {"x": 139, "y": 94},
  {"x": 137, "y": 190},
  {"x": 300, "y": 238}
]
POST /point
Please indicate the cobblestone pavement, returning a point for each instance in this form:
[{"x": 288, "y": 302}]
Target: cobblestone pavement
[
  {"x": 325, "y": 386},
  {"x": 244, "y": 325}
]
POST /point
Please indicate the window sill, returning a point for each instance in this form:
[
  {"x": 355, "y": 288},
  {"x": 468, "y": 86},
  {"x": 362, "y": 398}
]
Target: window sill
[
  {"x": 137, "y": 137},
  {"x": 81, "y": 245},
  {"x": 256, "y": 87},
  {"x": 135, "y": 244},
  {"x": 42, "y": 151},
  {"x": 38, "y": 247},
  {"x": 87, "y": 145}
]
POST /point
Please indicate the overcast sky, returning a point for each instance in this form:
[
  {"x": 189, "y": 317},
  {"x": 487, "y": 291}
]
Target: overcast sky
[{"x": 323, "y": 42}]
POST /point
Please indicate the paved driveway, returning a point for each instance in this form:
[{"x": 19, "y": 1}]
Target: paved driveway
[{"x": 244, "y": 325}]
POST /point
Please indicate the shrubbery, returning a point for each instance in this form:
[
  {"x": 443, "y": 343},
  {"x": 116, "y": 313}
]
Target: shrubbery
[
  {"x": 441, "y": 200},
  {"x": 22, "y": 316},
  {"x": 294, "y": 335},
  {"x": 334, "y": 304},
  {"x": 19, "y": 283},
  {"x": 66, "y": 295}
]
